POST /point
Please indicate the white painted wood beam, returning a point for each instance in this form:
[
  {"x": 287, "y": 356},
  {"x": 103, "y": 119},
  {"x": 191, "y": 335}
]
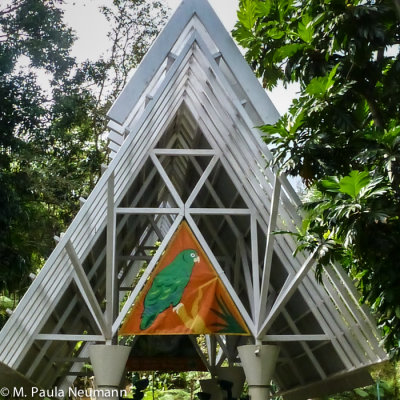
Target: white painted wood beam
[
  {"x": 203, "y": 178},
  {"x": 69, "y": 338},
  {"x": 255, "y": 267},
  {"x": 112, "y": 302},
  {"x": 185, "y": 152},
  {"x": 211, "y": 344},
  {"x": 304, "y": 345},
  {"x": 167, "y": 181},
  {"x": 218, "y": 211},
  {"x": 220, "y": 272},
  {"x": 296, "y": 338},
  {"x": 285, "y": 296},
  {"x": 148, "y": 210},
  {"x": 129, "y": 302},
  {"x": 193, "y": 339},
  {"x": 266, "y": 274},
  {"x": 86, "y": 289}
]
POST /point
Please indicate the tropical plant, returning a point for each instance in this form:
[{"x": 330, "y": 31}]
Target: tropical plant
[
  {"x": 341, "y": 135},
  {"x": 52, "y": 140}
]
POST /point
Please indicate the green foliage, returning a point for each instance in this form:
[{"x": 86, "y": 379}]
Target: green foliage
[
  {"x": 166, "y": 386},
  {"x": 341, "y": 135},
  {"x": 31, "y": 32},
  {"x": 51, "y": 142},
  {"x": 386, "y": 386}
]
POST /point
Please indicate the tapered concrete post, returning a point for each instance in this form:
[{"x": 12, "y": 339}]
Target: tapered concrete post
[
  {"x": 108, "y": 364},
  {"x": 234, "y": 375},
  {"x": 259, "y": 363},
  {"x": 211, "y": 387}
]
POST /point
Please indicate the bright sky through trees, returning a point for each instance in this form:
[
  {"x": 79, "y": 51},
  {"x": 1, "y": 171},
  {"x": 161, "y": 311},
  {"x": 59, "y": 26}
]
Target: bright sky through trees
[{"x": 91, "y": 30}]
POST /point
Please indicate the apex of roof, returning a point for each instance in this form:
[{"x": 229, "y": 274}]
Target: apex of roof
[{"x": 163, "y": 45}]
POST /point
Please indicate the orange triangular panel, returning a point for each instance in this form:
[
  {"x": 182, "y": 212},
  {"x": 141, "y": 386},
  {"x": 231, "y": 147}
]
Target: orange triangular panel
[{"x": 184, "y": 295}]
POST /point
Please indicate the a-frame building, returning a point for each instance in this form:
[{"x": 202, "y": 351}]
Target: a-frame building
[{"x": 185, "y": 147}]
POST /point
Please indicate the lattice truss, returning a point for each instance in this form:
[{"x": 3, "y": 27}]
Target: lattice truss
[{"x": 185, "y": 147}]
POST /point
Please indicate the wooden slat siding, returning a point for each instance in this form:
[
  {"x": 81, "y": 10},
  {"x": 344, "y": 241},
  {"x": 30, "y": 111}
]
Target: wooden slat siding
[
  {"x": 278, "y": 239},
  {"x": 20, "y": 333},
  {"x": 145, "y": 275},
  {"x": 214, "y": 124},
  {"x": 140, "y": 141},
  {"x": 150, "y": 64},
  {"x": 253, "y": 167},
  {"x": 255, "y": 133},
  {"x": 348, "y": 305},
  {"x": 116, "y": 128},
  {"x": 370, "y": 323},
  {"x": 358, "y": 330},
  {"x": 241, "y": 148},
  {"x": 304, "y": 345},
  {"x": 98, "y": 208},
  {"x": 115, "y": 137},
  {"x": 142, "y": 104},
  {"x": 113, "y": 146},
  {"x": 356, "y": 333},
  {"x": 162, "y": 46},
  {"x": 328, "y": 319},
  {"x": 219, "y": 87},
  {"x": 69, "y": 309},
  {"x": 244, "y": 313}
]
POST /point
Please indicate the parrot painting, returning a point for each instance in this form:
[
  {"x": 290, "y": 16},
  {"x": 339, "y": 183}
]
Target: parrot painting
[{"x": 168, "y": 286}]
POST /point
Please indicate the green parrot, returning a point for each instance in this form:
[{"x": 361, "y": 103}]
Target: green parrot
[{"x": 168, "y": 286}]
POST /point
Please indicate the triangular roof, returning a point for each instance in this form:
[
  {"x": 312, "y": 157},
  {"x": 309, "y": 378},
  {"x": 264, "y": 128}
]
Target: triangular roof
[{"x": 185, "y": 147}]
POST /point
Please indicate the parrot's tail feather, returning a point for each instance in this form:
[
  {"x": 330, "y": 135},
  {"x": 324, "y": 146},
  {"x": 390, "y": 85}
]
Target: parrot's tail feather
[{"x": 147, "y": 320}]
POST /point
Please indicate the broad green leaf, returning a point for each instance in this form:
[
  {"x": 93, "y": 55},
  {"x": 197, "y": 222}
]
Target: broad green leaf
[
  {"x": 275, "y": 33},
  {"x": 331, "y": 76},
  {"x": 305, "y": 29},
  {"x": 247, "y": 13},
  {"x": 284, "y": 8},
  {"x": 354, "y": 182},
  {"x": 287, "y": 51},
  {"x": 317, "y": 86},
  {"x": 263, "y": 8},
  {"x": 244, "y": 36},
  {"x": 331, "y": 184},
  {"x": 321, "y": 84}
]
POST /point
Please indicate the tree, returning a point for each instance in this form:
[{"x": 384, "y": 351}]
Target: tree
[
  {"x": 52, "y": 141},
  {"x": 341, "y": 136},
  {"x": 32, "y": 33}
]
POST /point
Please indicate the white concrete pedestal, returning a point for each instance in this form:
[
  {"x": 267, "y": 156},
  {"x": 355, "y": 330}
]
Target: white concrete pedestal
[
  {"x": 258, "y": 363},
  {"x": 108, "y": 362}
]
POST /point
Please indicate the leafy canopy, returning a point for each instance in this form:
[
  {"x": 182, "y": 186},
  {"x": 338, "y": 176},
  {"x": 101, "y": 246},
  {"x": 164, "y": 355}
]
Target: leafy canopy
[
  {"x": 51, "y": 142},
  {"x": 341, "y": 135}
]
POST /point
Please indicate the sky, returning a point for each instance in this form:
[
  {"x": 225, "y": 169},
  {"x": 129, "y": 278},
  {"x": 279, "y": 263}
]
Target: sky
[{"x": 91, "y": 29}]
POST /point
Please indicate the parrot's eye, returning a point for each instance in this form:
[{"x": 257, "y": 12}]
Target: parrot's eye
[{"x": 192, "y": 255}]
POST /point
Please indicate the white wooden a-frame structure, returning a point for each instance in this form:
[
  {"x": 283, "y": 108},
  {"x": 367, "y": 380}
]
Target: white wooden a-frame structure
[{"x": 184, "y": 147}]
